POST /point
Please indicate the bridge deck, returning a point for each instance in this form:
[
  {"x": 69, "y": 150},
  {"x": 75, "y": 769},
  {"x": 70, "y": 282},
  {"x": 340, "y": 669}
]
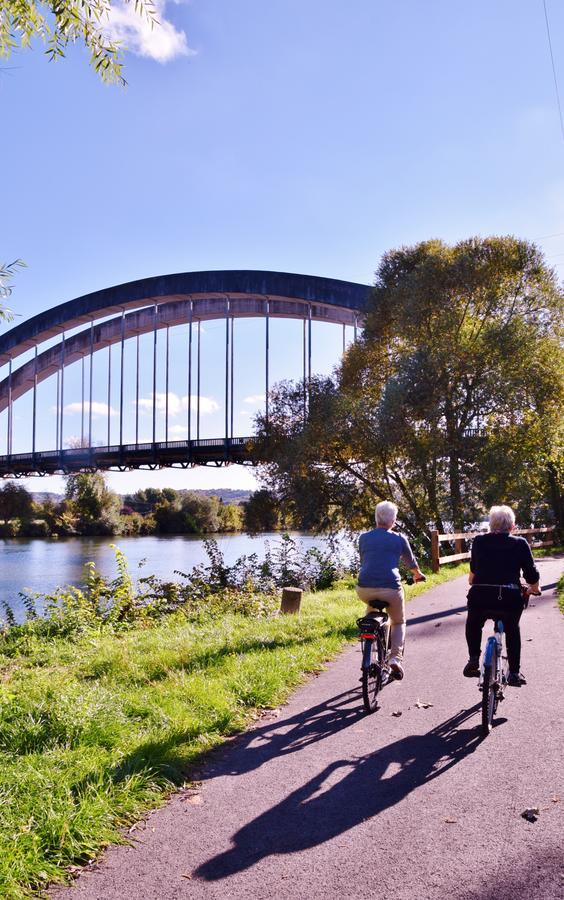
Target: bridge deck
[{"x": 208, "y": 451}]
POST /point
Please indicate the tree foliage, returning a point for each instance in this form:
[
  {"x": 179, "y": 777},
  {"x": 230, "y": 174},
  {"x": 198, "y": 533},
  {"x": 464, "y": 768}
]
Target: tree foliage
[
  {"x": 261, "y": 512},
  {"x": 61, "y": 22},
  {"x": 450, "y": 399},
  {"x": 15, "y": 502},
  {"x": 94, "y": 504}
]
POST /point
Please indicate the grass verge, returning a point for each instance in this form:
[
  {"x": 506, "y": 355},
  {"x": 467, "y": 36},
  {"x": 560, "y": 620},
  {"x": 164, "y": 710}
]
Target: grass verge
[
  {"x": 95, "y": 731},
  {"x": 560, "y": 593}
]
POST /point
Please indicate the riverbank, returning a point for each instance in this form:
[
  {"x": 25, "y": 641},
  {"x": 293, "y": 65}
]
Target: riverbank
[
  {"x": 40, "y": 566},
  {"x": 100, "y": 726}
]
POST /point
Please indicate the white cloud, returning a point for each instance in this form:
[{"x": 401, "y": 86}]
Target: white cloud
[
  {"x": 160, "y": 41},
  {"x": 255, "y": 399},
  {"x": 180, "y": 431},
  {"x": 207, "y": 404},
  {"x": 98, "y": 409},
  {"x": 178, "y": 405}
]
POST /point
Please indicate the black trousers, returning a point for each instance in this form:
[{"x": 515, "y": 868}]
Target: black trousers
[{"x": 510, "y": 609}]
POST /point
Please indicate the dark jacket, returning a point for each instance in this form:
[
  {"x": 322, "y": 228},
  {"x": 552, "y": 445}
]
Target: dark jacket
[{"x": 500, "y": 559}]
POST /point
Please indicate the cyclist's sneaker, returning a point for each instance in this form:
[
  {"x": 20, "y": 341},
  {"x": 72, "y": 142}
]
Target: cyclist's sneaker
[
  {"x": 516, "y": 679},
  {"x": 396, "y": 668},
  {"x": 472, "y": 667}
]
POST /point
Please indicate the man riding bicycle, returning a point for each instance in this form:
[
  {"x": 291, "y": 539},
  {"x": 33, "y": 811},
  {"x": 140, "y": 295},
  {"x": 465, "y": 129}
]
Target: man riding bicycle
[
  {"x": 496, "y": 562},
  {"x": 379, "y": 578}
]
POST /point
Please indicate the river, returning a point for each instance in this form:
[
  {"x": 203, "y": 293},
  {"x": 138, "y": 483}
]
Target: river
[{"x": 40, "y": 565}]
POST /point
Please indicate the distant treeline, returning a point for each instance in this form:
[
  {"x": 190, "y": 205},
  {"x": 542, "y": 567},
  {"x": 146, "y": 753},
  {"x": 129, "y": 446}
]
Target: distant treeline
[{"x": 89, "y": 507}]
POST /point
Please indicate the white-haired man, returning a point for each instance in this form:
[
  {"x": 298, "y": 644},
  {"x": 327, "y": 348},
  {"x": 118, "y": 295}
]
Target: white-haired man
[
  {"x": 496, "y": 562},
  {"x": 380, "y": 552}
]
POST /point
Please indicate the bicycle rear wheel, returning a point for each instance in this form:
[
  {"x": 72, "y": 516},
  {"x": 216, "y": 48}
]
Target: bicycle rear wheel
[
  {"x": 372, "y": 662},
  {"x": 489, "y": 697}
]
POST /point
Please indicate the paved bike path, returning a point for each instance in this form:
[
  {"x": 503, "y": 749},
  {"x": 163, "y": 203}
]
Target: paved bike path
[{"x": 320, "y": 800}]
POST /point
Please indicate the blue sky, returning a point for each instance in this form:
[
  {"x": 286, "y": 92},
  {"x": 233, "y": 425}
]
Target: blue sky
[{"x": 303, "y": 137}]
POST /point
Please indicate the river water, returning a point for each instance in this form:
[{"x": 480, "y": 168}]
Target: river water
[{"x": 40, "y": 565}]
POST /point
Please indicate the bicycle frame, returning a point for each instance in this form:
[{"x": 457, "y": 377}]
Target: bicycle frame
[
  {"x": 494, "y": 672},
  {"x": 374, "y": 634}
]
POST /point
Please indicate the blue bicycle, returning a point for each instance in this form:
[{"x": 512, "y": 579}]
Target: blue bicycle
[
  {"x": 493, "y": 676},
  {"x": 494, "y": 668}
]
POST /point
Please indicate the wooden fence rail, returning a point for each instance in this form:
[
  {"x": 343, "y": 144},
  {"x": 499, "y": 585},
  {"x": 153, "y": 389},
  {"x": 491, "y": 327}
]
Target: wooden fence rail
[{"x": 462, "y": 537}]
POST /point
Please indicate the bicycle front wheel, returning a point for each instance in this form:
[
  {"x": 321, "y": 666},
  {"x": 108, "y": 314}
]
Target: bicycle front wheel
[
  {"x": 372, "y": 663},
  {"x": 489, "y": 694}
]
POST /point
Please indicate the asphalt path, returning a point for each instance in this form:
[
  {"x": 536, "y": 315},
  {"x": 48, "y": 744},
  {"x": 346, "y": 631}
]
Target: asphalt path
[{"x": 409, "y": 803}]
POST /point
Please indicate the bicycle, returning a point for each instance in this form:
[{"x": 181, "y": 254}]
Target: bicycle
[
  {"x": 374, "y": 634},
  {"x": 494, "y": 668},
  {"x": 375, "y": 643}
]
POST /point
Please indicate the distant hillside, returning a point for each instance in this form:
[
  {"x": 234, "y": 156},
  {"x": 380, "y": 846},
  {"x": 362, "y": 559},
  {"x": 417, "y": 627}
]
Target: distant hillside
[{"x": 228, "y": 495}]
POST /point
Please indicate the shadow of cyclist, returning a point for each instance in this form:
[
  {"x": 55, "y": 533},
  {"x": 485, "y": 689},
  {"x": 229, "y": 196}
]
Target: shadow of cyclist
[
  {"x": 283, "y": 736},
  {"x": 345, "y": 793}
]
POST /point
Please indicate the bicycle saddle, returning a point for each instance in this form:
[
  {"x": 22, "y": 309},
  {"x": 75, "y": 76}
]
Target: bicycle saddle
[{"x": 378, "y": 605}]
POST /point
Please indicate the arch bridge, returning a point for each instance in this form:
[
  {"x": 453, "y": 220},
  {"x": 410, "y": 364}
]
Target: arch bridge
[{"x": 79, "y": 330}]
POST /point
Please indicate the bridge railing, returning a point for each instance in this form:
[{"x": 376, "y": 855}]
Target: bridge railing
[
  {"x": 460, "y": 538},
  {"x": 124, "y": 456}
]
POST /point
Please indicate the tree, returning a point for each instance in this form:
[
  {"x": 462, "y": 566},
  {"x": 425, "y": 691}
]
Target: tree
[
  {"x": 61, "y": 22},
  {"x": 15, "y": 502},
  {"x": 261, "y": 512},
  {"x": 230, "y": 517},
  {"x": 451, "y": 395},
  {"x": 96, "y": 507}
]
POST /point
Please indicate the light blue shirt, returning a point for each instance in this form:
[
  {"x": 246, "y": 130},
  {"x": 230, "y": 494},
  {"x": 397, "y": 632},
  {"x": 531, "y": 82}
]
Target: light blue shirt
[{"x": 380, "y": 554}]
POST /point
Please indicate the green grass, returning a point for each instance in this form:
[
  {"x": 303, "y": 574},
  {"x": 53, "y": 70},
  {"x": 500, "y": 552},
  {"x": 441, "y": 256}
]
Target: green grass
[
  {"x": 95, "y": 731},
  {"x": 548, "y": 551},
  {"x": 560, "y": 593}
]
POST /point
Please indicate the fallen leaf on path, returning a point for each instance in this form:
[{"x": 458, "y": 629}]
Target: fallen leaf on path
[
  {"x": 397, "y": 712},
  {"x": 195, "y": 799},
  {"x": 182, "y": 875},
  {"x": 451, "y": 821},
  {"x": 438, "y": 624},
  {"x": 531, "y": 814},
  {"x": 422, "y": 704},
  {"x": 555, "y": 799}
]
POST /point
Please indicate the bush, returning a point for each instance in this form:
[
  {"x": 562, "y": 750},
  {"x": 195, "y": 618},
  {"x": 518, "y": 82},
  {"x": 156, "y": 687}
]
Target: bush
[
  {"x": 37, "y": 528},
  {"x": 10, "y": 528}
]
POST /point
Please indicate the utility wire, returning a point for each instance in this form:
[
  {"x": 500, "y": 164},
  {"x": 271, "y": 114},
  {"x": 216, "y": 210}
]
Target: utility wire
[{"x": 553, "y": 68}]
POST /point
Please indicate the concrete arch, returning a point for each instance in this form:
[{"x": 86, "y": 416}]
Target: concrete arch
[{"x": 247, "y": 291}]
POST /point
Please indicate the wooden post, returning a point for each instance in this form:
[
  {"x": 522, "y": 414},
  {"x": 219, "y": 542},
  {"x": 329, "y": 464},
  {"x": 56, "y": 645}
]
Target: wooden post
[
  {"x": 435, "y": 550},
  {"x": 291, "y": 601},
  {"x": 458, "y": 548}
]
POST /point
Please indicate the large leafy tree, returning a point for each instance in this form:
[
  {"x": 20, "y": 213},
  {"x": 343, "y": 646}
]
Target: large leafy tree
[
  {"x": 15, "y": 502},
  {"x": 451, "y": 397},
  {"x": 61, "y": 22},
  {"x": 95, "y": 506}
]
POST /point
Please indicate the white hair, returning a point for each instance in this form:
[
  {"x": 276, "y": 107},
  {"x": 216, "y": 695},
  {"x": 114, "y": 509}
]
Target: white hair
[
  {"x": 502, "y": 518},
  {"x": 386, "y": 514}
]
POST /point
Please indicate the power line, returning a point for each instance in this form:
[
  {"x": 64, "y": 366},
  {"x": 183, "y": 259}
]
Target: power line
[{"x": 553, "y": 68}]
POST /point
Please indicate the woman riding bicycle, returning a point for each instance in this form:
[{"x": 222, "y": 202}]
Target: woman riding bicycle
[
  {"x": 379, "y": 578},
  {"x": 496, "y": 562}
]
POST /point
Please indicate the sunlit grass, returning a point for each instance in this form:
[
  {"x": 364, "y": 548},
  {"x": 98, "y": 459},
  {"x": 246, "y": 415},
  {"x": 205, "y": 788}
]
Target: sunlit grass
[
  {"x": 560, "y": 592},
  {"x": 94, "y": 732}
]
